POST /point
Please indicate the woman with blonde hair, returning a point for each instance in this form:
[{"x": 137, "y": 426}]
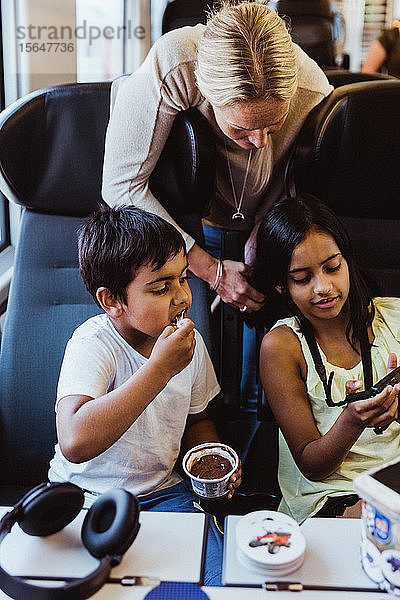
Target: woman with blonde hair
[{"x": 255, "y": 87}]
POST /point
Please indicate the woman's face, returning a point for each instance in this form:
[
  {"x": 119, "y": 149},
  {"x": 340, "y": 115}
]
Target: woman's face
[{"x": 248, "y": 124}]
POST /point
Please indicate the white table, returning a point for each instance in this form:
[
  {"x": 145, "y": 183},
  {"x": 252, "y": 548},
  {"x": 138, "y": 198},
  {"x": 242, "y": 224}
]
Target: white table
[
  {"x": 332, "y": 558},
  {"x": 169, "y": 546}
]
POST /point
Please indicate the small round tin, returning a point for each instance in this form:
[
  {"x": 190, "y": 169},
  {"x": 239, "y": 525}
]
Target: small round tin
[
  {"x": 210, "y": 488},
  {"x": 270, "y": 543},
  {"x": 380, "y": 525}
]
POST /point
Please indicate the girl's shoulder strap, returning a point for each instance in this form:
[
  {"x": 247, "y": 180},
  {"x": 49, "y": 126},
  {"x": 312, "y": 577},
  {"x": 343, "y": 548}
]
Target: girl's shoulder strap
[{"x": 309, "y": 335}]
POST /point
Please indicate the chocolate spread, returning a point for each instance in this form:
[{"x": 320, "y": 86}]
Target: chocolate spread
[{"x": 211, "y": 466}]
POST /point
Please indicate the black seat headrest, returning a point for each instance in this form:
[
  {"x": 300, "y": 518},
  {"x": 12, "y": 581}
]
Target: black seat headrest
[
  {"x": 52, "y": 148},
  {"x": 348, "y": 150},
  {"x": 305, "y": 8},
  {"x": 312, "y": 27},
  {"x": 338, "y": 77},
  {"x": 180, "y": 13}
]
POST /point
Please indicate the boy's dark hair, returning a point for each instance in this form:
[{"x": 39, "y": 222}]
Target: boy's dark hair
[
  {"x": 285, "y": 226},
  {"x": 114, "y": 242}
]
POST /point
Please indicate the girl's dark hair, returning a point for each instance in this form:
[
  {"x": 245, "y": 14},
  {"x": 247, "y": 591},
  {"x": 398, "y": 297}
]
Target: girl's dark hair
[
  {"x": 284, "y": 227},
  {"x": 114, "y": 242}
]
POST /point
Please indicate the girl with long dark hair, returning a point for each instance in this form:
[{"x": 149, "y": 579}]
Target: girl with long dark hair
[{"x": 332, "y": 338}]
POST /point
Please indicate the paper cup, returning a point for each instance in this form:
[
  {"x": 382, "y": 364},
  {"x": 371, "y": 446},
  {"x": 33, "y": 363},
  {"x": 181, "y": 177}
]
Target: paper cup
[{"x": 210, "y": 488}]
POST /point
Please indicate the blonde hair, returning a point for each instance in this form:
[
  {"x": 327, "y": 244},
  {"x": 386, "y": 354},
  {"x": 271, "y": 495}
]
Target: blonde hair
[{"x": 245, "y": 54}]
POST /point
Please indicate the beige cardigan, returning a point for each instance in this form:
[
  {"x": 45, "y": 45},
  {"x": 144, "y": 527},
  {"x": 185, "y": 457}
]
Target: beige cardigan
[{"x": 143, "y": 107}]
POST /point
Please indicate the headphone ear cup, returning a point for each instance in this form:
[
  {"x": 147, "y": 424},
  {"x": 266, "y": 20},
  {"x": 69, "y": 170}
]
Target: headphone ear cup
[
  {"x": 111, "y": 524},
  {"x": 48, "y": 508}
]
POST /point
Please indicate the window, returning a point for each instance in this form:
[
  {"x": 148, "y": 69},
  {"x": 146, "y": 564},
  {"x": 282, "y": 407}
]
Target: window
[
  {"x": 4, "y": 217},
  {"x": 378, "y": 14},
  {"x": 364, "y": 22},
  {"x": 48, "y": 44},
  {"x": 76, "y": 40},
  {"x": 4, "y": 223},
  {"x": 100, "y": 39},
  {"x": 157, "y": 11}
]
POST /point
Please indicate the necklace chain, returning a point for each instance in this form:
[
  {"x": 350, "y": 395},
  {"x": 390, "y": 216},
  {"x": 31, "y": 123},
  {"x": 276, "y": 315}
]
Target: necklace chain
[{"x": 238, "y": 205}]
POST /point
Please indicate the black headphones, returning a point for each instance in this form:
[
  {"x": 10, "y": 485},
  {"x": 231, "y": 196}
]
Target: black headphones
[{"x": 108, "y": 530}]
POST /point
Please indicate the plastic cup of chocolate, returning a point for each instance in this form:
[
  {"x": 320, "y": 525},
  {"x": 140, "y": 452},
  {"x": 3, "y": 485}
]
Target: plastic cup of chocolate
[{"x": 209, "y": 467}]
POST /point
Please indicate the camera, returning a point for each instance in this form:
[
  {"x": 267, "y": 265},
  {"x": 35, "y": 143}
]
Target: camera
[{"x": 389, "y": 379}]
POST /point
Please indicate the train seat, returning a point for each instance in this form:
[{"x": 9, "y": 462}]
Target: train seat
[
  {"x": 315, "y": 27},
  {"x": 338, "y": 77},
  {"x": 347, "y": 153},
  {"x": 51, "y": 155},
  {"x": 180, "y": 13}
]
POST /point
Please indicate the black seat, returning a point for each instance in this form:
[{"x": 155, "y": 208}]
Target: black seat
[
  {"x": 180, "y": 13},
  {"x": 51, "y": 155},
  {"x": 313, "y": 26},
  {"x": 338, "y": 77},
  {"x": 347, "y": 154}
]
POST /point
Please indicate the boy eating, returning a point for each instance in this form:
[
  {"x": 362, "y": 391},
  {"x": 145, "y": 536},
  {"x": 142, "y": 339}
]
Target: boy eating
[{"x": 133, "y": 385}]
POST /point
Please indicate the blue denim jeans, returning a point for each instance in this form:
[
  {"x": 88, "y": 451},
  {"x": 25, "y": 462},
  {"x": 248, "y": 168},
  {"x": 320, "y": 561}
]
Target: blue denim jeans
[
  {"x": 180, "y": 498},
  {"x": 213, "y": 238}
]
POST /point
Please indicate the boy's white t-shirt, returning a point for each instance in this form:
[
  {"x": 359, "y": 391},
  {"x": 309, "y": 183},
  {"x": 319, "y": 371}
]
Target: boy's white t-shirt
[{"x": 97, "y": 360}]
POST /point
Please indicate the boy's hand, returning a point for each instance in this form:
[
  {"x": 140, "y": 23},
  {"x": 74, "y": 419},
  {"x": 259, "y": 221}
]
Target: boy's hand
[
  {"x": 234, "y": 481},
  {"x": 174, "y": 349}
]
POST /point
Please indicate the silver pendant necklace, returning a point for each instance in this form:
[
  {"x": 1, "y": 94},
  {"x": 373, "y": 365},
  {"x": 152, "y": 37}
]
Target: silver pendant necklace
[{"x": 238, "y": 215}]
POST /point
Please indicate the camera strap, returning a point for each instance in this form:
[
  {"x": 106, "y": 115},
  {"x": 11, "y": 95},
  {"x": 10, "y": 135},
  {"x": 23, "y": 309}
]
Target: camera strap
[{"x": 365, "y": 348}]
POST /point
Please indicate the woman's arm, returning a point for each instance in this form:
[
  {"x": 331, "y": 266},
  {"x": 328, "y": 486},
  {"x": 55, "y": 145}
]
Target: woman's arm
[
  {"x": 283, "y": 374},
  {"x": 233, "y": 287},
  {"x": 144, "y": 107},
  {"x": 375, "y": 59}
]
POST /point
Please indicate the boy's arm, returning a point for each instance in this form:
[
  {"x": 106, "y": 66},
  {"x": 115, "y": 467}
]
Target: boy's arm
[
  {"x": 87, "y": 427},
  {"x": 199, "y": 429}
]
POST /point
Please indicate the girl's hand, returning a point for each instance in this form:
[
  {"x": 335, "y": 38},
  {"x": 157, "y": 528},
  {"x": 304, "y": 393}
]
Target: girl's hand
[
  {"x": 354, "y": 386},
  {"x": 234, "y": 481},
  {"x": 234, "y": 289},
  {"x": 378, "y": 411},
  {"x": 174, "y": 349},
  {"x": 392, "y": 362}
]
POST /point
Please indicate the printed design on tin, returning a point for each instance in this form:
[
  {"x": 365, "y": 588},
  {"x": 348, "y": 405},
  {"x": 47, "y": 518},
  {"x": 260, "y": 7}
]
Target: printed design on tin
[
  {"x": 394, "y": 563},
  {"x": 274, "y": 540},
  {"x": 390, "y": 564},
  {"x": 382, "y": 527}
]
